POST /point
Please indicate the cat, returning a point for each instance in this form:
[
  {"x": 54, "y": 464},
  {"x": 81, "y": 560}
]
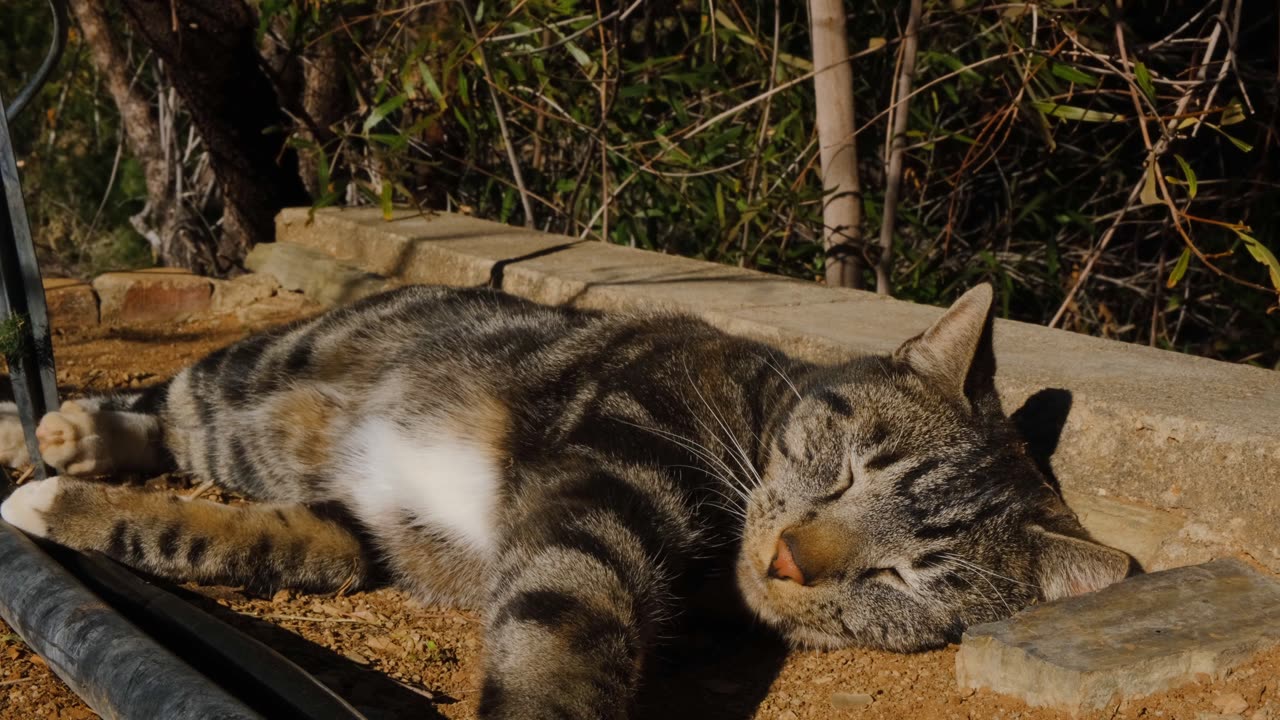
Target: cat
[{"x": 577, "y": 475}]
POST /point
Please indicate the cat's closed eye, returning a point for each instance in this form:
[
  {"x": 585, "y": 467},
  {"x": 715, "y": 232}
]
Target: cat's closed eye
[
  {"x": 887, "y": 575},
  {"x": 843, "y": 484}
]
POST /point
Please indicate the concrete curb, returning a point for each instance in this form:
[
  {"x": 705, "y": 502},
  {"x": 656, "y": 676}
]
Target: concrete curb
[{"x": 1171, "y": 457}]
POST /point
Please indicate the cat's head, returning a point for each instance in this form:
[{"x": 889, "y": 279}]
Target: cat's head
[{"x": 898, "y": 505}]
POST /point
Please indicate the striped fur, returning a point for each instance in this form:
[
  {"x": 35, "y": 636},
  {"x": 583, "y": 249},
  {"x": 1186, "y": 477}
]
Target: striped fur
[{"x": 578, "y": 475}]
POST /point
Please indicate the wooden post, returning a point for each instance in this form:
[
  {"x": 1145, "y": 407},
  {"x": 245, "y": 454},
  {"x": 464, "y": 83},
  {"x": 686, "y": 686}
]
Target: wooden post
[{"x": 833, "y": 88}]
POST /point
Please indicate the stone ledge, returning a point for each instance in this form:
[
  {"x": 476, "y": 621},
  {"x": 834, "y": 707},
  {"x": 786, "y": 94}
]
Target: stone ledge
[
  {"x": 1137, "y": 637},
  {"x": 1192, "y": 441}
]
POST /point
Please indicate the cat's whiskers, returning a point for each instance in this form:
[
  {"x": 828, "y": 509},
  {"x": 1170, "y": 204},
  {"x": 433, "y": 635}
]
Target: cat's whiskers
[
  {"x": 959, "y": 563},
  {"x": 741, "y": 457},
  {"x": 961, "y": 578},
  {"x": 987, "y": 571},
  {"x": 787, "y": 380},
  {"x": 725, "y": 474}
]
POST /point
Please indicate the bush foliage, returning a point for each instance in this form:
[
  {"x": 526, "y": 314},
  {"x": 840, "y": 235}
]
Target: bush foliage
[{"x": 1111, "y": 172}]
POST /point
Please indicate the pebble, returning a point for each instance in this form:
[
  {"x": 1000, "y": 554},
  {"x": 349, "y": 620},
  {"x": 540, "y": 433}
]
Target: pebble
[
  {"x": 788, "y": 715},
  {"x": 850, "y": 700},
  {"x": 1230, "y": 703}
]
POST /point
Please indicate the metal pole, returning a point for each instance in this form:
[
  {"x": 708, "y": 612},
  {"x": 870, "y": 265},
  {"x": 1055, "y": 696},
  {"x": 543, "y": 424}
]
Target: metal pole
[{"x": 22, "y": 305}]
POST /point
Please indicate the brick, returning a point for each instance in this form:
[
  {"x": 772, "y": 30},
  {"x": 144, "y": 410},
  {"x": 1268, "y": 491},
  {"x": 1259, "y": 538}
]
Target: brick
[
  {"x": 158, "y": 295},
  {"x": 72, "y": 303},
  {"x": 1137, "y": 637}
]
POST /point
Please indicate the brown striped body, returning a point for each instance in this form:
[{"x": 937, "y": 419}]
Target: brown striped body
[{"x": 578, "y": 475}]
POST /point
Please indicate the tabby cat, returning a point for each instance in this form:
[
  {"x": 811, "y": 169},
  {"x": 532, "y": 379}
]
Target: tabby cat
[{"x": 577, "y": 475}]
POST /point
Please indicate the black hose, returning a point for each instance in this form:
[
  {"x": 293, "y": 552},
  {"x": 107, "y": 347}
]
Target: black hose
[
  {"x": 264, "y": 679},
  {"x": 56, "y": 45},
  {"x": 117, "y": 670}
]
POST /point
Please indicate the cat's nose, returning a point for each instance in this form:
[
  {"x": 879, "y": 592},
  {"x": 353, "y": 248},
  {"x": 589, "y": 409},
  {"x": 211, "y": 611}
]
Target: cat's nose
[
  {"x": 814, "y": 552},
  {"x": 784, "y": 565}
]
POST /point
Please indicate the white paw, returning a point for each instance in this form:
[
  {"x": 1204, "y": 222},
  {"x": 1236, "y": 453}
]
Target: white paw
[
  {"x": 26, "y": 508},
  {"x": 13, "y": 443},
  {"x": 69, "y": 441}
]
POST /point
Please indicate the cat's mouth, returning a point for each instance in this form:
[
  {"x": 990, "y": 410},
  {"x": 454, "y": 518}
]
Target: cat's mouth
[{"x": 768, "y": 577}]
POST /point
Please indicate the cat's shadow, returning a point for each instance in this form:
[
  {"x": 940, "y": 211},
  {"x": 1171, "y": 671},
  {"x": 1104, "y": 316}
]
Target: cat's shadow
[
  {"x": 721, "y": 669},
  {"x": 1040, "y": 421}
]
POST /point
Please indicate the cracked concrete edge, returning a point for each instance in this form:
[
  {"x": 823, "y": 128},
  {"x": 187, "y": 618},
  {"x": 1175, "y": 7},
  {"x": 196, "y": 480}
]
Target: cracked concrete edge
[{"x": 1175, "y": 456}]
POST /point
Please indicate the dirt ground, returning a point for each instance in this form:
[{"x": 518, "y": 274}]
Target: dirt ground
[{"x": 392, "y": 658}]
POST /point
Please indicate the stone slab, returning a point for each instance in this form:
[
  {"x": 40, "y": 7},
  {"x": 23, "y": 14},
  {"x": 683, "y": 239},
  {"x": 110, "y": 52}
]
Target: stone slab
[
  {"x": 155, "y": 295},
  {"x": 313, "y": 273},
  {"x": 1137, "y": 637},
  {"x": 1191, "y": 440},
  {"x": 457, "y": 250},
  {"x": 1141, "y": 531},
  {"x": 72, "y": 303}
]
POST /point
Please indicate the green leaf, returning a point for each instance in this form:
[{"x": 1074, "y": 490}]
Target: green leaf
[
  {"x": 385, "y": 200},
  {"x": 1149, "y": 194},
  {"x": 1179, "y": 269},
  {"x": 1262, "y": 255},
  {"x": 1233, "y": 113},
  {"x": 1074, "y": 75},
  {"x": 1143, "y": 76},
  {"x": 582, "y": 58},
  {"x": 1189, "y": 174},
  {"x": 1078, "y": 114},
  {"x": 429, "y": 80},
  {"x": 383, "y": 110},
  {"x": 1242, "y": 145}
]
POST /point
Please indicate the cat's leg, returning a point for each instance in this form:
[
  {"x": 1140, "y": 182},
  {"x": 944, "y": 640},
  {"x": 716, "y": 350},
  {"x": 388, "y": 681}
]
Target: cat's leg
[
  {"x": 92, "y": 436},
  {"x": 583, "y": 589},
  {"x": 262, "y": 546}
]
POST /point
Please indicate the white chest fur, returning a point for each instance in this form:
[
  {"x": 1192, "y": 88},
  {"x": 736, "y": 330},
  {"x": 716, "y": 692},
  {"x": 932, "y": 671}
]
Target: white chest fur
[{"x": 448, "y": 482}]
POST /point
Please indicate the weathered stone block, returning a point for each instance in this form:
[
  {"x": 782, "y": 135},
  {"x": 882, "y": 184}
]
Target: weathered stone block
[
  {"x": 279, "y": 307},
  {"x": 157, "y": 295},
  {"x": 232, "y": 295},
  {"x": 319, "y": 276},
  {"x": 71, "y": 303},
  {"x": 1140, "y": 531},
  {"x": 1137, "y": 637}
]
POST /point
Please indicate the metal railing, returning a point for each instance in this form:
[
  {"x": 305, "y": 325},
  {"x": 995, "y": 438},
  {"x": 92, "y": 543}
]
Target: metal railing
[{"x": 28, "y": 349}]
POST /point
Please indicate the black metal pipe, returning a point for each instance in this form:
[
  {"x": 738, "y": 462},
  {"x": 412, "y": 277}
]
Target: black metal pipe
[
  {"x": 117, "y": 670},
  {"x": 57, "y": 43}
]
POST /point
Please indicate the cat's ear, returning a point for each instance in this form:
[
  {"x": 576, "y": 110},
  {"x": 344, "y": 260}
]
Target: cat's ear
[
  {"x": 1069, "y": 566},
  {"x": 956, "y": 352}
]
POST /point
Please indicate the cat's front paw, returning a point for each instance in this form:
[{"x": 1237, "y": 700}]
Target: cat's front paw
[
  {"x": 70, "y": 442},
  {"x": 13, "y": 442},
  {"x": 28, "y": 507}
]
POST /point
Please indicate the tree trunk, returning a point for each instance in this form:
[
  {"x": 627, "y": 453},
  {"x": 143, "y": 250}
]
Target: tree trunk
[
  {"x": 208, "y": 51},
  {"x": 160, "y": 220},
  {"x": 833, "y": 88}
]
